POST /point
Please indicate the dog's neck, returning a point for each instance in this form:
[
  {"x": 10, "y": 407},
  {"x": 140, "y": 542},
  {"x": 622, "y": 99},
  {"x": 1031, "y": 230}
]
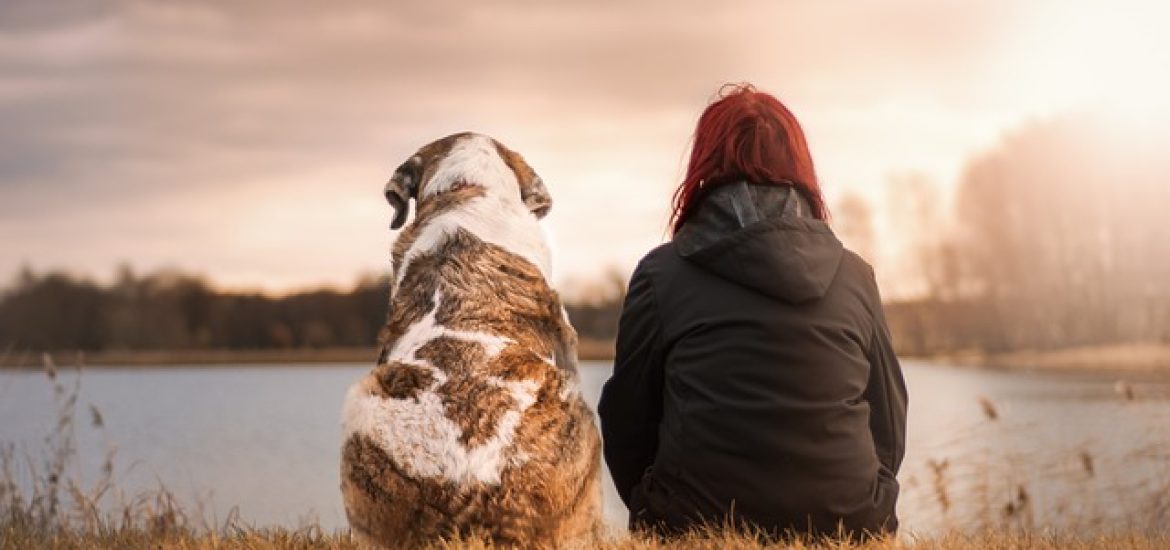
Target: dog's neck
[{"x": 497, "y": 218}]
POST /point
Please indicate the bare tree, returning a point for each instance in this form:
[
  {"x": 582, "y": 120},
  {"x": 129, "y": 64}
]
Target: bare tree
[{"x": 853, "y": 218}]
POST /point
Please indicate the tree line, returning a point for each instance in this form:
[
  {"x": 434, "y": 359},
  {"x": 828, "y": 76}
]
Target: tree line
[{"x": 169, "y": 310}]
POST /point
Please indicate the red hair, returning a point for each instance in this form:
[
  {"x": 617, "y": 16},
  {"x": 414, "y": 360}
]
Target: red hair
[{"x": 747, "y": 135}]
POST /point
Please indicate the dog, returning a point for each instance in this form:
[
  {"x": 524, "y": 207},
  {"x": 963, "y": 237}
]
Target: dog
[{"x": 472, "y": 423}]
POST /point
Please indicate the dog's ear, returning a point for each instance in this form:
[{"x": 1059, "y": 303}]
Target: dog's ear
[
  {"x": 402, "y": 187},
  {"x": 532, "y": 190},
  {"x": 535, "y": 196}
]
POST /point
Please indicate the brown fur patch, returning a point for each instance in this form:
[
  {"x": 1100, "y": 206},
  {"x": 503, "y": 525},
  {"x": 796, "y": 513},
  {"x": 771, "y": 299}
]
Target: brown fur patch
[
  {"x": 452, "y": 355},
  {"x": 532, "y": 189},
  {"x": 516, "y": 362},
  {"x": 402, "y": 381},
  {"x": 485, "y": 289},
  {"x": 497, "y": 292},
  {"x": 540, "y": 505},
  {"x": 476, "y": 408},
  {"x": 471, "y": 404},
  {"x": 379, "y": 499}
]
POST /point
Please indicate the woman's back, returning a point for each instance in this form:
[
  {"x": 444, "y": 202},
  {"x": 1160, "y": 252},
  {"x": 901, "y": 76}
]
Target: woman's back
[
  {"x": 754, "y": 377},
  {"x": 766, "y": 332}
]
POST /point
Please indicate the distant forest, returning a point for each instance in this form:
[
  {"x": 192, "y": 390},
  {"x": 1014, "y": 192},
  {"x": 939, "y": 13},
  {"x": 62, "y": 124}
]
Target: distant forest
[
  {"x": 176, "y": 311},
  {"x": 1058, "y": 237}
]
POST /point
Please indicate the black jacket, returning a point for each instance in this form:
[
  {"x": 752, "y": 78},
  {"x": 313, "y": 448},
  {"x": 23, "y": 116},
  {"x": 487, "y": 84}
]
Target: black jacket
[{"x": 754, "y": 376}]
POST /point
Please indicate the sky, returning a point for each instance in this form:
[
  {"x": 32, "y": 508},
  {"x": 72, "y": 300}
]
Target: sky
[{"x": 250, "y": 141}]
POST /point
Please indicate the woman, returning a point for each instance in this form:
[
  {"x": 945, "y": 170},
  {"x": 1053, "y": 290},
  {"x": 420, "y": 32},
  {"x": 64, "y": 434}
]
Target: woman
[{"x": 754, "y": 377}]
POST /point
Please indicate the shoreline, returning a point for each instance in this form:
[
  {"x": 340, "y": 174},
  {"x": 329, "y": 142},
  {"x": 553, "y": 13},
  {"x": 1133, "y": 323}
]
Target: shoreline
[
  {"x": 1142, "y": 359},
  {"x": 588, "y": 350}
]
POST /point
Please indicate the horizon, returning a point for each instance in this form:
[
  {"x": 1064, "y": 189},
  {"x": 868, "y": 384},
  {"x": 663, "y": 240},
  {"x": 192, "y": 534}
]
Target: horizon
[{"x": 249, "y": 144}]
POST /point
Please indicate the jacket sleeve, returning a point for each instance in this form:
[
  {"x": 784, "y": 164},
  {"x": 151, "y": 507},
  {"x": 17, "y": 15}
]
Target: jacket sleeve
[
  {"x": 631, "y": 401},
  {"x": 886, "y": 394}
]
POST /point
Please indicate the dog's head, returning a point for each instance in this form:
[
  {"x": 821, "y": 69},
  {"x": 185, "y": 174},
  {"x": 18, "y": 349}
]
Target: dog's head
[{"x": 464, "y": 159}]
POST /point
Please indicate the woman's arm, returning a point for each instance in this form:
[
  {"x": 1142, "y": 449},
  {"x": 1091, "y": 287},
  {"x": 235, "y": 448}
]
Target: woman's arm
[
  {"x": 631, "y": 402},
  {"x": 886, "y": 394}
]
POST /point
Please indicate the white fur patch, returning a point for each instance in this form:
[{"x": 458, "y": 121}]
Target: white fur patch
[
  {"x": 499, "y": 217},
  {"x": 416, "y": 433},
  {"x": 473, "y": 159}
]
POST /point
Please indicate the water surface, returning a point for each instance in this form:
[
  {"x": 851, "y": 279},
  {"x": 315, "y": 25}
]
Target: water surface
[{"x": 265, "y": 439}]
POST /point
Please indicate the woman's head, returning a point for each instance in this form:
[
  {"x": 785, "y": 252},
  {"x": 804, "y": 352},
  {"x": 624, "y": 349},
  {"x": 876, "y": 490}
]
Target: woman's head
[{"x": 749, "y": 135}]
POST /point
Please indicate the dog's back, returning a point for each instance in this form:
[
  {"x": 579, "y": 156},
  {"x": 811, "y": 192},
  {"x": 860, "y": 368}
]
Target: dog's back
[{"x": 472, "y": 423}]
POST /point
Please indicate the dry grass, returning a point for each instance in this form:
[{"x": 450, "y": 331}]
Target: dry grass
[
  {"x": 51, "y": 509},
  {"x": 18, "y": 538}
]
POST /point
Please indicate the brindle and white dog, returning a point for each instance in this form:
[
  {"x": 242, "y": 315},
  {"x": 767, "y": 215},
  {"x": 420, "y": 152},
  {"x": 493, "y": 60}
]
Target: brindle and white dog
[{"x": 471, "y": 424}]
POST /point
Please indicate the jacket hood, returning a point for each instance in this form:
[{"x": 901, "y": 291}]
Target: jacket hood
[{"x": 763, "y": 237}]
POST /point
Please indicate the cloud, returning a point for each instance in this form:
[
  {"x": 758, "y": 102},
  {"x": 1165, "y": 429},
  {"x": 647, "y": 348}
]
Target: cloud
[{"x": 148, "y": 126}]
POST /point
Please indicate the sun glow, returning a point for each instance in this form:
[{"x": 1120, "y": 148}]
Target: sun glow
[{"x": 1092, "y": 55}]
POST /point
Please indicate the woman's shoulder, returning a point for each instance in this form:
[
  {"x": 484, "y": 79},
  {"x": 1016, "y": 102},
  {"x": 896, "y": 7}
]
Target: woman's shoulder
[
  {"x": 855, "y": 272},
  {"x": 659, "y": 253},
  {"x": 853, "y": 264},
  {"x": 659, "y": 258}
]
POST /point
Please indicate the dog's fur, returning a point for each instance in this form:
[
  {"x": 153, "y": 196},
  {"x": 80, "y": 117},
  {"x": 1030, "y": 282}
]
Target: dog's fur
[{"x": 472, "y": 423}]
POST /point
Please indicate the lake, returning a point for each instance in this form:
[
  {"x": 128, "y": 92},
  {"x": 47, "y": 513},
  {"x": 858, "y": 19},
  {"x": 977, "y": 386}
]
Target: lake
[{"x": 984, "y": 447}]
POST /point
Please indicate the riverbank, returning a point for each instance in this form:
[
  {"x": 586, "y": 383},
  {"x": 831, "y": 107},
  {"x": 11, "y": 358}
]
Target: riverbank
[
  {"x": 1142, "y": 359},
  {"x": 587, "y": 350}
]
